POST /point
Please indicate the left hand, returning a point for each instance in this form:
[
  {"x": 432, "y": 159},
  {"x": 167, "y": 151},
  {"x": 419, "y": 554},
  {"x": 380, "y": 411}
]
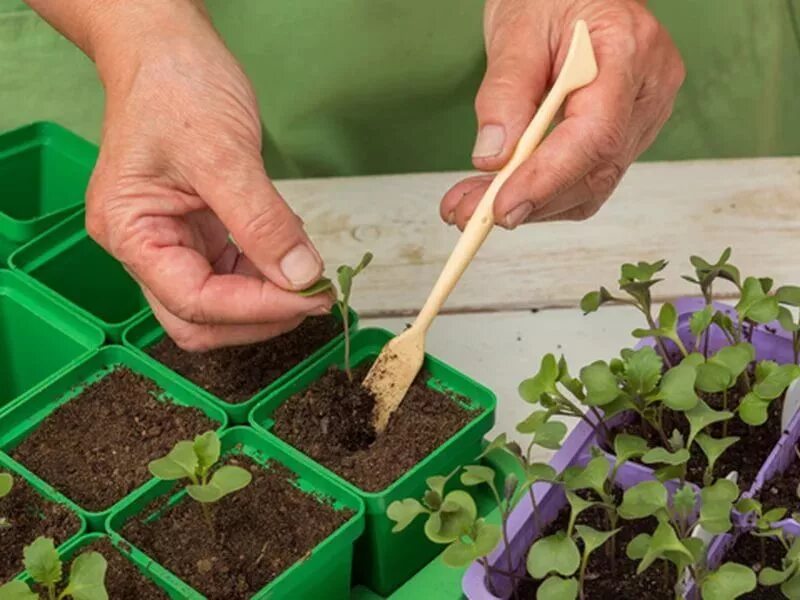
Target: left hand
[{"x": 605, "y": 125}]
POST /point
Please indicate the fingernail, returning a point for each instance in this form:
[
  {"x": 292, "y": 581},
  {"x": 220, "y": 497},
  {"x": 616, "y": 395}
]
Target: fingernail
[
  {"x": 319, "y": 311},
  {"x": 451, "y": 217},
  {"x": 300, "y": 266},
  {"x": 518, "y": 215},
  {"x": 490, "y": 141}
]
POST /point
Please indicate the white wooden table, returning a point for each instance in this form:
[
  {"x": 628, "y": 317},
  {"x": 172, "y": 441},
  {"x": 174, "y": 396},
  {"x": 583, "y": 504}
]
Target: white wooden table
[{"x": 519, "y": 299}]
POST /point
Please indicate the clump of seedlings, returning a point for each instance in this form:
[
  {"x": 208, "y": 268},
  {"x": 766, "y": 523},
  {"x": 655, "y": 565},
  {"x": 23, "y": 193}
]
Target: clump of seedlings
[
  {"x": 345, "y": 275},
  {"x": 86, "y": 579},
  {"x": 6, "y": 485},
  {"x": 196, "y": 462}
]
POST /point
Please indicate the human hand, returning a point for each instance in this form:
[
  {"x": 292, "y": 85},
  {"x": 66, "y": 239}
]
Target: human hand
[
  {"x": 605, "y": 125},
  {"x": 179, "y": 169}
]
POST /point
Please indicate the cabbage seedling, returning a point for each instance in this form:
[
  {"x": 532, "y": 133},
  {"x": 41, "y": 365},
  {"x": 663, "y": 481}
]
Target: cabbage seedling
[
  {"x": 6, "y": 483},
  {"x": 195, "y": 462},
  {"x": 86, "y": 578},
  {"x": 345, "y": 274}
]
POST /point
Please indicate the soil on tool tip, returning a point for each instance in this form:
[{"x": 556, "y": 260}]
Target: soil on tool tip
[
  {"x": 235, "y": 374},
  {"x": 260, "y": 531},
  {"x": 95, "y": 448}
]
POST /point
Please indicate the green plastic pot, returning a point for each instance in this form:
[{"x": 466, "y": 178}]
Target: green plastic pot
[
  {"x": 27, "y": 413},
  {"x": 44, "y": 170},
  {"x": 46, "y": 491},
  {"x": 145, "y": 331},
  {"x": 77, "y": 272},
  {"x": 385, "y": 560},
  {"x": 149, "y": 569},
  {"x": 38, "y": 338},
  {"x": 325, "y": 573}
]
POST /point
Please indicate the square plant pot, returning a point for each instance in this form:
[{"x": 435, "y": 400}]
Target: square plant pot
[
  {"x": 48, "y": 493},
  {"x": 145, "y": 332},
  {"x": 385, "y": 560},
  {"x": 76, "y": 271},
  {"x": 31, "y": 411},
  {"x": 175, "y": 590},
  {"x": 38, "y": 338},
  {"x": 45, "y": 170},
  {"x": 324, "y": 573}
]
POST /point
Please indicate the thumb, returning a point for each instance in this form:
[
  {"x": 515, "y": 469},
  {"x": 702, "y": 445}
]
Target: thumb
[
  {"x": 518, "y": 68},
  {"x": 269, "y": 233}
]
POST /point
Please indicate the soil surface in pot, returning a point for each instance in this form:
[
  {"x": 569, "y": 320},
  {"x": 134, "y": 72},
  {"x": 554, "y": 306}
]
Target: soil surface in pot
[
  {"x": 30, "y": 516},
  {"x": 123, "y": 579},
  {"x": 603, "y": 582},
  {"x": 746, "y": 456},
  {"x": 261, "y": 531},
  {"x": 95, "y": 448},
  {"x": 782, "y": 489},
  {"x": 331, "y": 421},
  {"x": 235, "y": 374},
  {"x": 748, "y": 551}
]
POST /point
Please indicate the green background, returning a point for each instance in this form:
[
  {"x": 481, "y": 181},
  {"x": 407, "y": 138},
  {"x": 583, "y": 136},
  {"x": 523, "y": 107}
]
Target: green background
[{"x": 379, "y": 86}]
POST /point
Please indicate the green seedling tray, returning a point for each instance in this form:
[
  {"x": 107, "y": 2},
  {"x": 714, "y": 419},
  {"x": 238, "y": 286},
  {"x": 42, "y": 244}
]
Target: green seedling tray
[
  {"x": 384, "y": 560},
  {"x": 77, "y": 272},
  {"x": 38, "y": 338},
  {"x": 146, "y": 331},
  {"x": 148, "y": 569},
  {"x": 46, "y": 491},
  {"x": 27, "y": 413},
  {"x": 325, "y": 573},
  {"x": 45, "y": 170}
]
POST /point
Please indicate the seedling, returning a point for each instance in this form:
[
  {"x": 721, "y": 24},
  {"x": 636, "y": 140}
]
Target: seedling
[
  {"x": 42, "y": 563},
  {"x": 196, "y": 462},
  {"x": 345, "y": 274},
  {"x": 6, "y": 484},
  {"x": 789, "y": 296}
]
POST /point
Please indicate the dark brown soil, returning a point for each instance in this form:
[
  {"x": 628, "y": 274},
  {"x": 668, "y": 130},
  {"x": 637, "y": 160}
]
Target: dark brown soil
[
  {"x": 622, "y": 582},
  {"x": 746, "y": 456},
  {"x": 748, "y": 551},
  {"x": 95, "y": 448},
  {"x": 262, "y": 530},
  {"x": 782, "y": 490},
  {"x": 235, "y": 374},
  {"x": 30, "y": 516},
  {"x": 123, "y": 579},
  {"x": 332, "y": 423}
]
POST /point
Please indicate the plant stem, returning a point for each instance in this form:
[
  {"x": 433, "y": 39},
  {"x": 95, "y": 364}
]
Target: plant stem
[
  {"x": 725, "y": 408},
  {"x": 652, "y": 324},
  {"x": 51, "y": 591},
  {"x": 665, "y": 574},
  {"x": 486, "y": 569},
  {"x": 209, "y": 520},
  {"x": 346, "y": 330},
  {"x": 582, "y": 574},
  {"x": 536, "y": 519},
  {"x": 796, "y": 346}
]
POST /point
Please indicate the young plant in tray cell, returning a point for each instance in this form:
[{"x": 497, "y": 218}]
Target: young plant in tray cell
[
  {"x": 345, "y": 275},
  {"x": 6, "y": 485},
  {"x": 196, "y": 462},
  {"x": 86, "y": 579},
  {"x": 789, "y": 299}
]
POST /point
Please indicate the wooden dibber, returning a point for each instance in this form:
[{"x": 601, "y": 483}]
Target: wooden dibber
[{"x": 401, "y": 359}]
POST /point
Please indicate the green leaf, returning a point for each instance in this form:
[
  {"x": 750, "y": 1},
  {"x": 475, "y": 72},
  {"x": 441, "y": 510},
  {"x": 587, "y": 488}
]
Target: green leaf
[
  {"x": 6, "y": 483},
  {"x": 667, "y": 317},
  {"x": 322, "y": 285},
  {"x": 701, "y": 320},
  {"x": 17, "y": 590},
  {"x": 664, "y": 544},
  {"x": 577, "y": 504},
  {"x": 684, "y": 500},
  {"x": 643, "y": 500},
  {"x": 533, "y": 421},
  {"x": 224, "y": 481},
  {"x": 600, "y": 383},
  {"x": 87, "y": 578},
  {"x": 42, "y": 562},
  {"x": 436, "y": 485},
  {"x": 637, "y": 547},
  {"x": 677, "y": 388},
  {"x": 207, "y": 449},
  {"x": 555, "y": 553},
  {"x": 663, "y": 456},
  {"x": 594, "y": 300},
  {"x": 753, "y": 410},
  {"x": 363, "y": 263},
  {"x": 717, "y": 502},
  {"x": 776, "y": 382},
  {"x": 714, "y": 447},
  {"x": 461, "y": 553},
  {"x": 627, "y": 447},
  {"x": 544, "y": 382},
  {"x": 754, "y": 304},
  {"x": 477, "y": 474},
  {"x": 713, "y": 377},
  {"x": 729, "y": 581},
  {"x": 735, "y": 358},
  {"x": 643, "y": 369},
  {"x": 556, "y": 588},
  {"x": 456, "y": 516},
  {"x": 788, "y": 294},
  {"x": 179, "y": 463},
  {"x": 549, "y": 435},
  {"x": 592, "y": 476},
  {"x": 498, "y": 443},
  {"x": 787, "y": 320},
  {"x": 592, "y": 538},
  {"x": 641, "y": 271},
  {"x": 701, "y": 416},
  {"x": 539, "y": 472},
  {"x": 791, "y": 588},
  {"x": 403, "y": 512},
  {"x": 769, "y": 576}
]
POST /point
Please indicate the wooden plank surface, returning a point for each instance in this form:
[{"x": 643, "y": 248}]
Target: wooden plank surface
[{"x": 661, "y": 210}]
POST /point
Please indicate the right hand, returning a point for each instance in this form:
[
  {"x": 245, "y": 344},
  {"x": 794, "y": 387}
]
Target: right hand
[{"x": 179, "y": 170}]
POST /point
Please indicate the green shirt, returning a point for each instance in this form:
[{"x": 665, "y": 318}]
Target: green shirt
[{"x": 384, "y": 86}]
